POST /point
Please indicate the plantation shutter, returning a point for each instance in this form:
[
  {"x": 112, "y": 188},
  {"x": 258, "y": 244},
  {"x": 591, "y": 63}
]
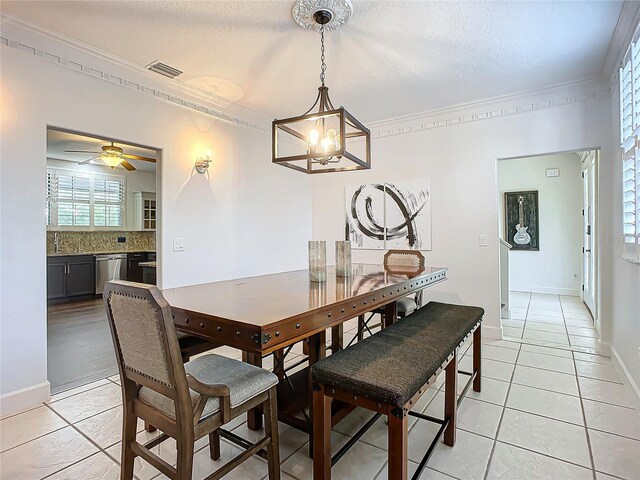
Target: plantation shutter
[{"x": 108, "y": 195}]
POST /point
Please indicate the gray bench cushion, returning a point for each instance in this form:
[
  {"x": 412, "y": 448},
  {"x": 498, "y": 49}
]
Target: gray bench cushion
[
  {"x": 392, "y": 365},
  {"x": 244, "y": 381}
]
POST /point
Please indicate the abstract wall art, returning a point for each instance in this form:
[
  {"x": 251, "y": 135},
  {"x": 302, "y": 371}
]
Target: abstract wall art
[
  {"x": 521, "y": 216},
  {"x": 389, "y": 215}
]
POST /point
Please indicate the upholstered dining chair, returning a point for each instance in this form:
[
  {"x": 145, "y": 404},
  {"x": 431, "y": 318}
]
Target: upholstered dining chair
[
  {"x": 400, "y": 262},
  {"x": 184, "y": 401}
]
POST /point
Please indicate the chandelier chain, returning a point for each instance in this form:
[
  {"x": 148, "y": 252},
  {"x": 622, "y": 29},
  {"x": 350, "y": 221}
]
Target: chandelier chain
[{"x": 323, "y": 66}]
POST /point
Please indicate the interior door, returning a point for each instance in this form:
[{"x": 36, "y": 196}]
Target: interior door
[{"x": 589, "y": 241}]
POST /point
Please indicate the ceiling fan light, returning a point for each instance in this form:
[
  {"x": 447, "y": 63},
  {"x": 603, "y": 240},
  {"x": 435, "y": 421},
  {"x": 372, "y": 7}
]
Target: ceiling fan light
[{"x": 112, "y": 160}]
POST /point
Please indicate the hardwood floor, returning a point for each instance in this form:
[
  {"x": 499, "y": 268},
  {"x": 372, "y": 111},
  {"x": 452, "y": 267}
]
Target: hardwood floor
[{"x": 80, "y": 349}]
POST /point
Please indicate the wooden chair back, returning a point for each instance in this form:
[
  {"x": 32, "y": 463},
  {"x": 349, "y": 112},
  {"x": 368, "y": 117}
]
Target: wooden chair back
[{"x": 403, "y": 261}]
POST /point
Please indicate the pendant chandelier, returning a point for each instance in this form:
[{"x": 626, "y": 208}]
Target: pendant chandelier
[{"x": 323, "y": 139}]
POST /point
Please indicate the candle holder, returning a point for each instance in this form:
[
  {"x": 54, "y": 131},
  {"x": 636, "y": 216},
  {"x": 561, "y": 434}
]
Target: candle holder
[
  {"x": 318, "y": 261},
  {"x": 343, "y": 258}
]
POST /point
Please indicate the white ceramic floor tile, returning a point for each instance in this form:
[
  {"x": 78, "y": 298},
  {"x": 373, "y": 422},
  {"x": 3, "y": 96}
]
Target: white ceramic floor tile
[
  {"x": 561, "y": 407},
  {"x": 543, "y": 435},
  {"x": 512, "y": 332},
  {"x": 492, "y": 390},
  {"x": 490, "y": 368},
  {"x": 577, "y": 341},
  {"x": 606, "y": 392},
  {"x": 546, "y": 327},
  {"x": 291, "y": 439},
  {"x": 569, "y": 322},
  {"x": 105, "y": 429},
  {"x": 91, "y": 402},
  {"x": 427, "y": 474},
  {"x": 544, "y": 319},
  {"x": 546, "y": 379},
  {"x": 598, "y": 371},
  {"x": 518, "y": 315},
  {"x": 512, "y": 463},
  {"x": 559, "y": 338},
  {"x": 546, "y": 362},
  {"x": 576, "y": 315},
  {"x": 507, "y": 355},
  {"x": 45, "y": 455},
  {"x": 615, "y": 455},
  {"x": 96, "y": 467},
  {"x": 26, "y": 426},
  {"x": 612, "y": 418},
  {"x": 467, "y": 460},
  {"x": 552, "y": 351},
  {"x": 301, "y": 466},
  {"x": 74, "y": 391},
  {"x": 587, "y": 357},
  {"x": 473, "y": 415},
  {"x": 514, "y": 323},
  {"x": 582, "y": 332},
  {"x": 501, "y": 343},
  {"x": 553, "y": 312}
]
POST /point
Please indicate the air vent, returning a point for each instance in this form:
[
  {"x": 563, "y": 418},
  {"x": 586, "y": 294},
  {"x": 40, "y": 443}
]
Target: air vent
[{"x": 164, "y": 69}]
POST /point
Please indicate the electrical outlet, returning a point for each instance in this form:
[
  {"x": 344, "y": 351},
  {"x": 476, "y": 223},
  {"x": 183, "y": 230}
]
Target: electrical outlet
[
  {"x": 178, "y": 244},
  {"x": 484, "y": 241}
]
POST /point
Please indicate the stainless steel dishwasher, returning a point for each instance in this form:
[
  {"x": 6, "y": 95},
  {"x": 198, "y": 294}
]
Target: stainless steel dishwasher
[{"x": 110, "y": 267}]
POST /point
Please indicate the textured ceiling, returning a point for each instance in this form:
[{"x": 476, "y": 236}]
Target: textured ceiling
[
  {"x": 393, "y": 58},
  {"x": 59, "y": 141}
]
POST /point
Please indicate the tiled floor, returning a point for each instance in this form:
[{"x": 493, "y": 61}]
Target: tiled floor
[{"x": 543, "y": 413}]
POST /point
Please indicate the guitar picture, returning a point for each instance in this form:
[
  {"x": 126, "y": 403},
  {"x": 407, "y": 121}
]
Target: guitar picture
[{"x": 521, "y": 237}]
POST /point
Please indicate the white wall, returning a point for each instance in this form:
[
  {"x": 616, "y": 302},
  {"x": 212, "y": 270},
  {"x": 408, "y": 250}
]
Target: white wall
[
  {"x": 247, "y": 217},
  {"x": 458, "y": 150},
  {"x": 135, "y": 181},
  {"x": 551, "y": 269},
  {"x": 623, "y": 305}
]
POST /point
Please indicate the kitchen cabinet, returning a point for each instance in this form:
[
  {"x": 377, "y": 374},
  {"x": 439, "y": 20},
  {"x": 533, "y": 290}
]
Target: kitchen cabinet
[
  {"x": 145, "y": 210},
  {"x": 134, "y": 270},
  {"x": 70, "y": 276}
]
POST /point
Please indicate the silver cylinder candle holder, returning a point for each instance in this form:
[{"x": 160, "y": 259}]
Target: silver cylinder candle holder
[
  {"x": 318, "y": 261},
  {"x": 343, "y": 258}
]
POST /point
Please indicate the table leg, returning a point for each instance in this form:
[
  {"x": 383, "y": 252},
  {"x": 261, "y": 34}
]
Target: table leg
[
  {"x": 254, "y": 416},
  {"x": 390, "y": 314},
  {"x": 317, "y": 351}
]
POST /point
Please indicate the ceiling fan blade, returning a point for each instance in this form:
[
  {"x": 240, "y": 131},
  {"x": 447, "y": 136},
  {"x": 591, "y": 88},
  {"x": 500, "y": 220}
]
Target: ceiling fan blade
[
  {"x": 89, "y": 160},
  {"x": 79, "y": 151},
  {"x": 138, "y": 157},
  {"x": 127, "y": 165}
]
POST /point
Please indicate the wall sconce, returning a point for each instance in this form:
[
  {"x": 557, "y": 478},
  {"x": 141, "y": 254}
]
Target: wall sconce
[{"x": 202, "y": 163}]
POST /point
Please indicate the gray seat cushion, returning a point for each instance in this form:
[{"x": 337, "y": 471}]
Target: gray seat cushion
[
  {"x": 405, "y": 305},
  {"x": 244, "y": 381},
  {"x": 392, "y": 365}
]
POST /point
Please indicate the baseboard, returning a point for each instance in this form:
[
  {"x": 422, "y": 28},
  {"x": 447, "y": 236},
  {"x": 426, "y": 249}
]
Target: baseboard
[
  {"x": 627, "y": 379},
  {"x": 494, "y": 333},
  {"x": 24, "y": 399},
  {"x": 572, "y": 292}
]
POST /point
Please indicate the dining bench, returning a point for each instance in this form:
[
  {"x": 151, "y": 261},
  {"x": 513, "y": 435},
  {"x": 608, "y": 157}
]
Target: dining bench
[{"x": 388, "y": 372}]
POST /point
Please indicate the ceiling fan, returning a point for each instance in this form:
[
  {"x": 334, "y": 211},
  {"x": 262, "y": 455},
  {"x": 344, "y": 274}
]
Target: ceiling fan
[{"x": 113, "y": 156}]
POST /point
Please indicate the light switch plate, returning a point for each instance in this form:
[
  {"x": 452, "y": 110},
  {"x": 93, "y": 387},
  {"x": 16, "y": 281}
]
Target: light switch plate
[
  {"x": 178, "y": 244},
  {"x": 484, "y": 241}
]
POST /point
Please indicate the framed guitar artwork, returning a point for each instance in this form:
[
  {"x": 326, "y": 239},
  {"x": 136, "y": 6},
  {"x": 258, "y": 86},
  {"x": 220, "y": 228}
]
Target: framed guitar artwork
[{"x": 521, "y": 220}]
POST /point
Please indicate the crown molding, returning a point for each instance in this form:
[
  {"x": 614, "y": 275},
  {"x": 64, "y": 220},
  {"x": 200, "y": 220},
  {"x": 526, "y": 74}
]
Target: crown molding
[
  {"x": 621, "y": 39},
  {"x": 516, "y": 104},
  {"x": 125, "y": 74}
]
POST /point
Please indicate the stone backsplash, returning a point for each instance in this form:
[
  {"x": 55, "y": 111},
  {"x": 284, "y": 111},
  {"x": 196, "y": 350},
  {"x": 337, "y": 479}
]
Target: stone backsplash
[{"x": 101, "y": 242}]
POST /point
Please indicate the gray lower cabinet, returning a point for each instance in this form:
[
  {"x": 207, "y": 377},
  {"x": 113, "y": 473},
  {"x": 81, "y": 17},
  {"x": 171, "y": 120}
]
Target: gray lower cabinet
[{"x": 70, "y": 276}]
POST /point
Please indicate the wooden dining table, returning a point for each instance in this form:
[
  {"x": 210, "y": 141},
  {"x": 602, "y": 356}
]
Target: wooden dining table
[{"x": 268, "y": 314}]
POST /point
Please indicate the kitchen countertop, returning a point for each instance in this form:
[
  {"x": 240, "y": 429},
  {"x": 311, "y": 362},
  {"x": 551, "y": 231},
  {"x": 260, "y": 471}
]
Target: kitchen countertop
[
  {"x": 148, "y": 264},
  {"x": 109, "y": 252}
]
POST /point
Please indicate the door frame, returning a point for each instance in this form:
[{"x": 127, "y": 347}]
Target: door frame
[{"x": 586, "y": 156}]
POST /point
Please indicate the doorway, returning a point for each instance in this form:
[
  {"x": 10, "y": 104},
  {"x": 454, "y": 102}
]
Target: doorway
[
  {"x": 548, "y": 221},
  {"x": 102, "y": 216}
]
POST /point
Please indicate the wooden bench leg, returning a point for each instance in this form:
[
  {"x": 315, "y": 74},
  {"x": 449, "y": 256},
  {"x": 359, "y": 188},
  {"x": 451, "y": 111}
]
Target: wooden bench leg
[
  {"x": 337, "y": 333},
  {"x": 390, "y": 314},
  {"x": 321, "y": 434},
  {"x": 148, "y": 427},
  {"x": 451, "y": 400},
  {"x": 398, "y": 445},
  {"x": 477, "y": 358}
]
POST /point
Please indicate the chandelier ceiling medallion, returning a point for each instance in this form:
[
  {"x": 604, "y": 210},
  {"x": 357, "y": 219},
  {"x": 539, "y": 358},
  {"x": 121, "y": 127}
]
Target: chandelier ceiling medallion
[{"x": 323, "y": 139}]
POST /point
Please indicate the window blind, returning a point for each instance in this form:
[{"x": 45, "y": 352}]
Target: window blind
[
  {"x": 629, "y": 141},
  {"x": 83, "y": 200}
]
